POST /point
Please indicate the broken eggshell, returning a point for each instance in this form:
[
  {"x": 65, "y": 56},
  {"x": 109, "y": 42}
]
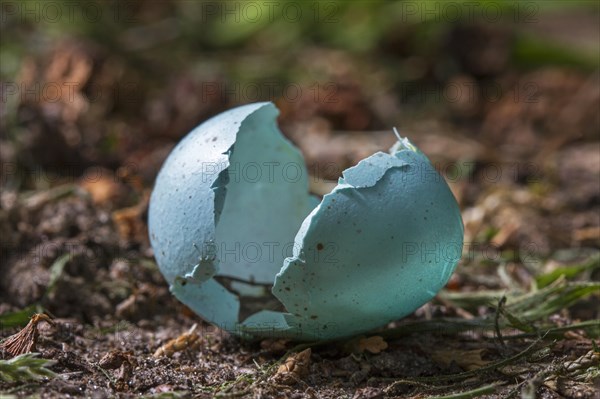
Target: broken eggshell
[{"x": 242, "y": 242}]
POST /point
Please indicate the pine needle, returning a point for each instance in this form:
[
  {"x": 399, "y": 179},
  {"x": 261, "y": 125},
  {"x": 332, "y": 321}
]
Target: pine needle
[{"x": 25, "y": 367}]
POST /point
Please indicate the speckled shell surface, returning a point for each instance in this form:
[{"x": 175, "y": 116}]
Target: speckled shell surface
[{"x": 381, "y": 244}]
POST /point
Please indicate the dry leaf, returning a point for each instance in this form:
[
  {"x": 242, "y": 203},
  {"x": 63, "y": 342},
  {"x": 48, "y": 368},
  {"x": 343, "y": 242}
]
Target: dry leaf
[
  {"x": 24, "y": 341},
  {"x": 274, "y": 345},
  {"x": 101, "y": 184},
  {"x": 506, "y": 232},
  {"x": 130, "y": 221},
  {"x": 124, "y": 362},
  {"x": 374, "y": 344},
  {"x": 467, "y": 360},
  {"x": 114, "y": 359},
  {"x": 295, "y": 367},
  {"x": 591, "y": 234},
  {"x": 184, "y": 341}
]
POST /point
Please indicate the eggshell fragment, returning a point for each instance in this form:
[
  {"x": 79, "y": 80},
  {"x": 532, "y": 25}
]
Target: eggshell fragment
[
  {"x": 209, "y": 172},
  {"x": 381, "y": 244}
]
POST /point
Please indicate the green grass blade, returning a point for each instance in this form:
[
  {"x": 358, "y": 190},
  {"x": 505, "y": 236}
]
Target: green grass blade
[{"x": 26, "y": 367}]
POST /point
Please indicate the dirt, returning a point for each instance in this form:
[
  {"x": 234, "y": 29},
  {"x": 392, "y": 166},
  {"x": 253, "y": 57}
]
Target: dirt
[{"x": 110, "y": 300}]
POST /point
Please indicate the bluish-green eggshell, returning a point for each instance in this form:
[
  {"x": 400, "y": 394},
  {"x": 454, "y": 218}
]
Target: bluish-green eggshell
[{"x": 380, "y": 245}]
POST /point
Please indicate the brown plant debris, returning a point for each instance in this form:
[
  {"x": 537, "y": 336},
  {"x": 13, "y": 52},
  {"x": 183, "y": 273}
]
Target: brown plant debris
[
  {"x": 467, "y": 360},
  {"x": 591, "y": 358},
  {"x": 294, "y": 368},
  {"x": 130, "y": 221},
  {"x": 187, "y": 340},
  {"x": 374, "y": 344},
  {"x": 25, "y": 340},
  {"x": 124, "y": 362}
]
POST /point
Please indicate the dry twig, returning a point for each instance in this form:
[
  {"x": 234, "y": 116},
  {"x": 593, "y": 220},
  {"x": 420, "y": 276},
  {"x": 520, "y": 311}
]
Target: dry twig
[{"x": 184, "y": 341}]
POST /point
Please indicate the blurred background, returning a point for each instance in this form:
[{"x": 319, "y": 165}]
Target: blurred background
[{"x": 115, "y": 83}]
